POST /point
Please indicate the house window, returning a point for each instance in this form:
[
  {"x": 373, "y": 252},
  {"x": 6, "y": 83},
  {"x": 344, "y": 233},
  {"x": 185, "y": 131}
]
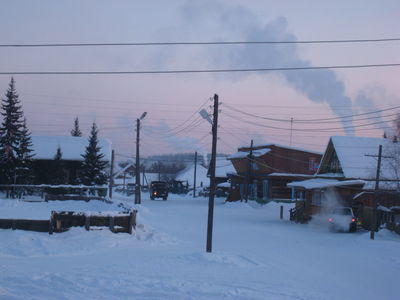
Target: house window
[{"x": 312, "y": 164}]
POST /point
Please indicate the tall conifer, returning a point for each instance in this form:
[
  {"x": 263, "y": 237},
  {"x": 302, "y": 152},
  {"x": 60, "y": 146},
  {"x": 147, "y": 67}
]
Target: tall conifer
[
  {"x": 24, "y": 155},
  {"x": 10, "y": 134},
  {"x": 76, "y": 130},
  {"x": 93, "y": 167}
]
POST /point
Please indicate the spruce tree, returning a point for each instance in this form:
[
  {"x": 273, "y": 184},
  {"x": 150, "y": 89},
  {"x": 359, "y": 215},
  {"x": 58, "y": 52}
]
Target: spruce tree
[
  {"x": 24, "y": 156},
  {"x": 58, "y": 174},
  {"x": 76, "y": 130},
  {"x": 10, "y": 134},
  {"x": 93, "y": 167}
]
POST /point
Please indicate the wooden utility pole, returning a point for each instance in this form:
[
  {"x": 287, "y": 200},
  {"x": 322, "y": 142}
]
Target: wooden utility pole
[
  {"x": 212, "y": 176},
  {"x": 137, "y": 168},
  {"x": 111, "y": 182},
  {"x": 195, "y": 169},
  {"x": 248, "y": 175},
  {"x": 378, "y": 172},
  {"x": 375, "y": 204},
  {"x": 291, "y": 131}
]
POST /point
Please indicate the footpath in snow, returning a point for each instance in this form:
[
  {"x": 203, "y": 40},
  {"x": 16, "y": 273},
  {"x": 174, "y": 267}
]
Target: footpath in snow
[{"x": 255, "y": 255}]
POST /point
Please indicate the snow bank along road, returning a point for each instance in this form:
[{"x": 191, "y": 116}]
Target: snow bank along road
[{"x": 255, "y": 256}]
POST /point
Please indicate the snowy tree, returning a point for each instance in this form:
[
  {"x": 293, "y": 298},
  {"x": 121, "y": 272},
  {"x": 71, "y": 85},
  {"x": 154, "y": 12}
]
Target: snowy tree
[
  {"x": 93, "y": 167},
  {"x": 10, "y": 134},
  {"x": 76, "y": 130},
  {"x": 392, "y": 160},
  {"x": 58, "y": 174},
  {"x": 24, "y": 156}
]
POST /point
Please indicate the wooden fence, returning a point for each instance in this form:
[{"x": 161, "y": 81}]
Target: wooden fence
[
  {"x": 64, "y": 220},
  {"x": 54, "y": 192}
]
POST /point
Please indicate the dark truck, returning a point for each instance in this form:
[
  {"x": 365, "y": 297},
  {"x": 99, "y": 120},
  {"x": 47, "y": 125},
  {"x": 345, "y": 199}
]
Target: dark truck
[{"x": 158, "y": 189}]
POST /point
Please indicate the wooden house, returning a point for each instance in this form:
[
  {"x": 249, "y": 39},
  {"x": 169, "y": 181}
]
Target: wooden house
[
  {"x": 346, "y": 176},
  {"x": 263, "y": 171},
  {"x": 72, "y": 148}
]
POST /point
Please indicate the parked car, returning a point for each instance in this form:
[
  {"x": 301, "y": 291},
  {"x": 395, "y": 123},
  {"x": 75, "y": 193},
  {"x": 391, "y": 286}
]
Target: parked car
[
  {"x": 343, "y": 219},
  {"x": 158, "y": 189}
]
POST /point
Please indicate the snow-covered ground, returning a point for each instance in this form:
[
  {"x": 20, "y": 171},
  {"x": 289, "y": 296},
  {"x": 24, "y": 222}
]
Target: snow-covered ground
[{"x": 255, "y": 256}]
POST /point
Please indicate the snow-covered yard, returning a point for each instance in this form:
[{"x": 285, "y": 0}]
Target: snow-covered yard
[{"x": 255, "y": 256}]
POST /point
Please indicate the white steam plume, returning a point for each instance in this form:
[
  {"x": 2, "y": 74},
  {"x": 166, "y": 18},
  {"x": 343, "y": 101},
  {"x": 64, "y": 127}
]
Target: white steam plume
[{"x": 320, "y": 86}]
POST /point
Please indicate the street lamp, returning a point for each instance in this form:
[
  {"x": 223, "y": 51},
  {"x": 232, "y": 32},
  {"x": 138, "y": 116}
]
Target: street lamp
[{"x": 137, "y": 168}]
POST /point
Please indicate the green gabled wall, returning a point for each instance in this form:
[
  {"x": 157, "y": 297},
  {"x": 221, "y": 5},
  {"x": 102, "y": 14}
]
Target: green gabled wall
[{"x": 330, "y": 162}]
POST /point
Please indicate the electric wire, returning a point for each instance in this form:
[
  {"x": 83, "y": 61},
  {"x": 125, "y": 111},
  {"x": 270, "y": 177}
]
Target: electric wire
[
  {"x": 187, "y": 71},
  {"x": 183, "y": 43},
  {"x": 309, "y": 129},
  {"x": 314, "y": 120},
  {"x": 187, "y": 120}
]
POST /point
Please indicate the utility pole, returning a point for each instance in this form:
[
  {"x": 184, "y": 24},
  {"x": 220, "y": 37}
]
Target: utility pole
[
  {"x": 212, "y": 176},
  {"x": 137, "y": 168},
  {"x": 248, "y": 175},
  {"x": 378, "y": 172},
  {"x": 195, "y": 169},
  {"x": 111, "y": 182},
  {"x": 375, "y": 204},
  {"x": 143, "y": 175},
  {"x": 291, "y": 129}
]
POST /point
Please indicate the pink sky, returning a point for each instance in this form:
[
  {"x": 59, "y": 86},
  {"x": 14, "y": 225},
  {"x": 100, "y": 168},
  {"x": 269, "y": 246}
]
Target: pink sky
[{"x": 115, "y": 101}]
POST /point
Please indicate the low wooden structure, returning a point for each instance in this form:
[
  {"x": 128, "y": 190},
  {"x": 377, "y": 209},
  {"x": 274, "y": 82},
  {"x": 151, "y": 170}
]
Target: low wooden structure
[
  {"x": 64, "y": 220},
  {"x": 49, "y": 192}
]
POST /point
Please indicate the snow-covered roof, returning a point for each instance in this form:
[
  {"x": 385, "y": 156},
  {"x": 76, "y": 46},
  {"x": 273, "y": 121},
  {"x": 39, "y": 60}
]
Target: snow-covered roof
[
  {"x": 351, "y": 152},
  {"x": 72, "y": 148},
  {"x": 188, "y": 175},
  {"x": 281, "y": 146},
  {"x": 244, "y": 154},
  {"x": 223, "y": 166},
  {"x": 319, "y": 183},
  {"x": 123, "y": 170},
  {"x": 224, "y": 184},
  {"x": 264, "y": 149},
  {"x": 289, "y": 175}
]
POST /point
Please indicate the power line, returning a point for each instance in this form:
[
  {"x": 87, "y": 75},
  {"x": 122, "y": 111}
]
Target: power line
[
  {"x": 314, "y": 120},
  {"x": 309, "y": 129},
  {"x": 199, "y": 71},
  {"x": 171, "y": 130},
  {"x": 200, "y": 43},
  {"x": 146, "y": 101}
]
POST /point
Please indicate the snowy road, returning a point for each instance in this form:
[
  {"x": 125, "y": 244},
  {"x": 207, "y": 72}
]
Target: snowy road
[{"x": 255, "y": 256}]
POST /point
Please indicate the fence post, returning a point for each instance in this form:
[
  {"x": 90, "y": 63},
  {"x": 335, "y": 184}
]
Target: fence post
[
  {"x": 281, "y": 212},
  {"x": 87, "y": 222},
  {"x": 132, "y": 221},
  {"x": 51, "y": 225},
  {"x": 111, "y": 223}
]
